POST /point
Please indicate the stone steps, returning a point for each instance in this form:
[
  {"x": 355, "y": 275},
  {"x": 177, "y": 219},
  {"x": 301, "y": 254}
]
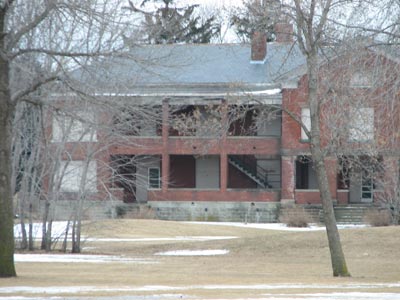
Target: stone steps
[
  {"x": 351, "y": 214},
  {"x": 345, "y": 214}
]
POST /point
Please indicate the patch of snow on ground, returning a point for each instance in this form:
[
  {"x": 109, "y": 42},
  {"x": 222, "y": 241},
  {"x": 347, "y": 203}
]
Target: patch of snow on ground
[
  {"x": 56, "y": 290},
  {"x": 155, "y": 288},
  {"x": 276, "y": 226},
  {"x": 333, "y": 296},
  {"x": 193, "y": 252},
  {"x": 77, "y": 258},
  {"x": 58, "y": 230}
]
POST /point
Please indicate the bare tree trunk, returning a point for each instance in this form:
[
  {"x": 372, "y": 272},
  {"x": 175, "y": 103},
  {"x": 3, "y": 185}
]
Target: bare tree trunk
[
  {"x": 338, "y": 261},
  {"x": 7, "y": 268},
  {"x": 30, "y": 232},
  {"x": 44, "y": 228},
  {"x": 65, "y": 242},
  {"x": 24, "y": 237},
  {"x": 48, "y": 235}
]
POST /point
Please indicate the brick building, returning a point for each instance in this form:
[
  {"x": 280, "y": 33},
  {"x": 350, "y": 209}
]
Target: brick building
[{"x": 220, "y": 145}]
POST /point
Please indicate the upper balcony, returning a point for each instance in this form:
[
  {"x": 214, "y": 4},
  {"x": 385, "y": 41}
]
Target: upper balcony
[{"x": 202, "y": 130}]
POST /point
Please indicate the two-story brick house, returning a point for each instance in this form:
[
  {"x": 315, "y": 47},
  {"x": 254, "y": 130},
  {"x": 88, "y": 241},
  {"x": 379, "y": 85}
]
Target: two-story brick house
[{"x": 220, "y": 145}]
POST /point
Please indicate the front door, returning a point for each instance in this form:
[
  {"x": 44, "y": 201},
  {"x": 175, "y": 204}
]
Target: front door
[
  {"x": 367, "y": 189},
  {"x": 361, "y": 188}
]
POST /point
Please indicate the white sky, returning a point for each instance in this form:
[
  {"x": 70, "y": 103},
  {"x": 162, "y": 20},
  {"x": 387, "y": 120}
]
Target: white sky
[{"x": 217, "y": 3}]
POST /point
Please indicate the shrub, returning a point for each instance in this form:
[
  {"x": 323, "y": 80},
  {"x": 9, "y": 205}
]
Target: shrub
[
  {"x": 378, "y": 218},
  {"x": 143, "y": 212},
  {"x": 136, "y": 212},
  {"x": 295, "y": 217},
  {"x": 120, "y": 211}
]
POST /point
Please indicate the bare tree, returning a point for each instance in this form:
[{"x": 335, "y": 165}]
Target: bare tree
[
  {"x": 322, "y": 40},
  {"x": 60, "y": 35},
  {"x": 340, "y": 41}
]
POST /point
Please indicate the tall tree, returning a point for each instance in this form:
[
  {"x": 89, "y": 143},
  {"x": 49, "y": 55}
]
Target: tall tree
[
  {"x": 309, "y": 40},
  {"x": 255, "y": 16},
  {"x": 323, "y": 29},
  {"x": 327, "y": 31},
  {"x": 169, "y": 24},
  {"x": 60, "y": 35}
]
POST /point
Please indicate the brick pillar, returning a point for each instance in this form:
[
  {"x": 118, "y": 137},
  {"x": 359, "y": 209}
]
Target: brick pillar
[
  {"x": 223, "y": 172},
  {"x": 288, "y": 179},
  {"x": 331, "y": 170},
  {"x": 165, "y": 154},
  {"x": 284, "y": 33},
  {"x": 223, "y": 154}
]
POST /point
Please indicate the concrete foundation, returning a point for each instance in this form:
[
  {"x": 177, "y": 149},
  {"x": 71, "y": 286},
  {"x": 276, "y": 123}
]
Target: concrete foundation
[
  {"x": 92, "y": 210},
  {"x": 252, "y": 212}
]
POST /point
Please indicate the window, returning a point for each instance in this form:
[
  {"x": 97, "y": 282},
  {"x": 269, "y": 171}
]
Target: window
[
  {"x": 154, "y": 178},
  {"x": 306, "y": 177},
  {"x": 74, "y": 129},
  {"x": 306, "y": 120},
  {"x": 361, "y": 125},
  {"x": 72, "y": 172},
  {"x": 361, "y": 79}
]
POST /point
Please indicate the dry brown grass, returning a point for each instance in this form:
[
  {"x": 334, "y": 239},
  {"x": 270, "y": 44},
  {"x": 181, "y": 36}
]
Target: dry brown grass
[
  {"x": 378, "y": 218},
  {"x": 256, "y": 257},
  {"x": 295, "y": 217}
]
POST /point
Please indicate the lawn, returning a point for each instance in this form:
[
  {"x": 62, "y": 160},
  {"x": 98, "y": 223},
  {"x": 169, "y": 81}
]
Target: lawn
[{"x": 130, "y": 259}]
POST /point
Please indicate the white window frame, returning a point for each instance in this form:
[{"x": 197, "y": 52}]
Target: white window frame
[
  {"x": 150, "y": 179},
  {"x": 361, "y": 79},
  {"x": 361, "y": 124},
  {"x": 70, "y": 129},
  {"x": 306, "y": 120},
  {"x": 71, "y": 173}
]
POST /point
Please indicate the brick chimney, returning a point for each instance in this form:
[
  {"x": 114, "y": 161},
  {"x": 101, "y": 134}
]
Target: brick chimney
[
  {"x": 258, "y": 47},
  {"x": 284, "y": 33}
]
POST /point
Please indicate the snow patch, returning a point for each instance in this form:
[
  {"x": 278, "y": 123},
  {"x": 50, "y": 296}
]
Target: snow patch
[
  {"x": 58, "y": 230},
  {"x": 194, "y": 252},
  {"x": 156, "y": 288},
  {"x": 77, "y": 258},
  {"x": 276, "y": 226},
  {"x": 333, "y": 296},
  {"x": 267, "y": 92}
]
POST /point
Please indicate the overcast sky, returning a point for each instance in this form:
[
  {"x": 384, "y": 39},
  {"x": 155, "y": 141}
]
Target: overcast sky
[{"x": 217, "y": 3}]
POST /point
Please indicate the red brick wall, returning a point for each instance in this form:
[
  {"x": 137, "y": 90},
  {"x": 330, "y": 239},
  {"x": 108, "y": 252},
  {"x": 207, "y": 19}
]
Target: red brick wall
[
  {"x": 259, "y": 195},
  {"x": 307, "y": 197}
]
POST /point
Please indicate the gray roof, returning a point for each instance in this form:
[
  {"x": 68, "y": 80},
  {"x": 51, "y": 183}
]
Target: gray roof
[{"x": 180, "y": 66}]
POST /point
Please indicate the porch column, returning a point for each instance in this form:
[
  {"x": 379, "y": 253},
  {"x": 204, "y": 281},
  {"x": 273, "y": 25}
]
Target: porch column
[
  {"x": 223, "y": 153},
  {"x": 165, "y": 153},
  {"x": 223, "y": 172},
  {"x": 331, "y": 170},
  {"x": 288, "y": 179}
]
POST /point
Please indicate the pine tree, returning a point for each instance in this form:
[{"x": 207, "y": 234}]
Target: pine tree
[
  {"x": 256, "y": 16},
  {"x": 170, "y": 24}
]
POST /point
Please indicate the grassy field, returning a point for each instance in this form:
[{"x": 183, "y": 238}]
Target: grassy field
[{"x": 299, "y": 261}]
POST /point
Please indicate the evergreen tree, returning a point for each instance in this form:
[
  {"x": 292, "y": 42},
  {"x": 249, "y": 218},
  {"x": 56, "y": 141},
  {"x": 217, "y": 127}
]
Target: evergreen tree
[
  {"x": 256, "y": 16},
  {"x": 170, "y": 24}
]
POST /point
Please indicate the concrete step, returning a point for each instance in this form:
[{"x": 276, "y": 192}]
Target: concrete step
[{"x": 344, "y": 214}]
